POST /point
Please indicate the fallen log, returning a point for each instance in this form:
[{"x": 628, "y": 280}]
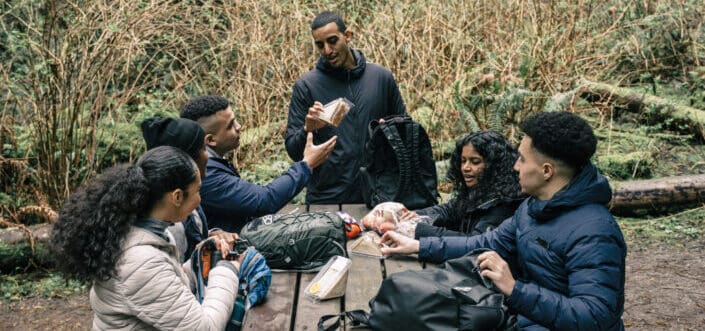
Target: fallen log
[
  {"x": 38, "y": 232},
  {"x": 24, "y": 247},
  {"x": 657, "y": 194},
  {"x": 692, "y": 118}
]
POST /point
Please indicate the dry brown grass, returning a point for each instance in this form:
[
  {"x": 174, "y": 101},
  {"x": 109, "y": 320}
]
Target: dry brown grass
[{"x": 97, "y": 61}]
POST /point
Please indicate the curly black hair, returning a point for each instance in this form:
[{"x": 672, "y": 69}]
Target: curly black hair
[
  {"x": 95, "y": 219},
  {"x": 563, "y": 136},
  {"x": 203, "y": 106},
  {"x": 498, "y": 181}
]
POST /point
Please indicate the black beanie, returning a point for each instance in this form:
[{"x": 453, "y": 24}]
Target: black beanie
[{"x": 181, "y": 133}]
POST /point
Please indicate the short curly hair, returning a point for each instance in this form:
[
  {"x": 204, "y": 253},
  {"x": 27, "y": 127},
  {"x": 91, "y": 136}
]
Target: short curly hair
[
  {"x": 562, "y": 136},
  {"x": 326, "y": 17},
  {"x": 203, "y": 106},
  {"x": 95, "y": 219},
  {"x": 497, "y": 181}
]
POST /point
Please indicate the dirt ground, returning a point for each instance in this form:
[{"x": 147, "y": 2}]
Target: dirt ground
[{"x": 664, "y": 291}]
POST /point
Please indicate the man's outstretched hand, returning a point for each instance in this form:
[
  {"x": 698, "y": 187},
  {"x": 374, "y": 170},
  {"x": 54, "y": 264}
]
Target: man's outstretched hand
[
  {"x": 395, "y": 243},
  {"x": 314, "y": 155}
]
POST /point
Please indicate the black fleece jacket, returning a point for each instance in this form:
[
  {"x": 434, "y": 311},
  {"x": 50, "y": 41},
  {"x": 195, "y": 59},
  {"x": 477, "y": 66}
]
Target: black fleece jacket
[
  {"x": 374, "y": 92},
  {"x": 446, "y": 222}
]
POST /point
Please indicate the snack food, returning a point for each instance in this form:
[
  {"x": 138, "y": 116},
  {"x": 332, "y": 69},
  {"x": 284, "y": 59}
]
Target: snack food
[
  {"x": 367, "y": 245},
  {"x": 334, "y": 111},
  {"x": 331, "y": 280},
  {"x": 384, "y": 217},
  {"x": 387, "y": 216},
  {"x": 352, "y": 227}
]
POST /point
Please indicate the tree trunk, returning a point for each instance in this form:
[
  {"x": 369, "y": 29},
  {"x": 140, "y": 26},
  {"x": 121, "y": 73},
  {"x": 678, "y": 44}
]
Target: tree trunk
[
  {"x": 657, "y": 194},
  {"x": 18, "y": 254},
  {"x": 692, "y": 119}
]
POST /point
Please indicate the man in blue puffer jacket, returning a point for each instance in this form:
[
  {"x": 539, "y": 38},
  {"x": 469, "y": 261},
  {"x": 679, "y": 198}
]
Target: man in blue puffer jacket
[{"x": 569, "y": 250}]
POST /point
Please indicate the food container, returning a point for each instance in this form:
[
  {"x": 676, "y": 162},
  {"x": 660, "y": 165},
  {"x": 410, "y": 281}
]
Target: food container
[
  {"x": 334, "y": 111},
  {"x": 331, "y": 281}
]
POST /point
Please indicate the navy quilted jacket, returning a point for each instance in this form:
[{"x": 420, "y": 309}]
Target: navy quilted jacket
[
  {"x": 229, "y": 202},
  {"x": 570, "y": 252}
]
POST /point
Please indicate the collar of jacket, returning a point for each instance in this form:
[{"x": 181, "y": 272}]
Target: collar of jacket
[
  {"x": 212, "y": 155},
  {"x": 587, "y": 187},
  {"x": 138, "y": 236},
  {"x": 341, "y": 73},
  {"x": 154, "y": 226}
]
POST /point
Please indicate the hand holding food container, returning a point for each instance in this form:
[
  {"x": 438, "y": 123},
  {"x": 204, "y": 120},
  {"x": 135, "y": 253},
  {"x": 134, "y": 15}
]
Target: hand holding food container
[{"x": 334, "y": 111}]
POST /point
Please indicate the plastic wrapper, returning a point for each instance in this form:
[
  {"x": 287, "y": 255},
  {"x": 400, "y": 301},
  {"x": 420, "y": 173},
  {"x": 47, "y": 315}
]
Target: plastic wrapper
[
  {"x": 334, "y": 111},
  {"x": 367, "y": 245},
  {"x": 384, "y": 217},
  {"x": 352, "y": 226},
  {"x": 387, "y": 216},
  {"x": 331, "y": 281}
]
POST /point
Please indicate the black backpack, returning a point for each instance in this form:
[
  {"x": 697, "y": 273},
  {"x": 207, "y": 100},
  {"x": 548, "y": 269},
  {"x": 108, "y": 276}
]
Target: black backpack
[
  {"x": 299, "y": 242},
  {"x": 452, "y": 297},
  {"x": 398, "y": 164}
]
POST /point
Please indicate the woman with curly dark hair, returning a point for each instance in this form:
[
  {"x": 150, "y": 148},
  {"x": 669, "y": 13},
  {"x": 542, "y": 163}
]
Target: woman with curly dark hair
[
  {"x": 486, "y": 188},
  {"x": 113, "y": 232}
]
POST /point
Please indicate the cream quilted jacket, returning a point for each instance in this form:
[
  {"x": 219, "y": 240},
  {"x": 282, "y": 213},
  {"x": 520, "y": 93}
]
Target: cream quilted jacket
[{"x": 152, "y": 291}]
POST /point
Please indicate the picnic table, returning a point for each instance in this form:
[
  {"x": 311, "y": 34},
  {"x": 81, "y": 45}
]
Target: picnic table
[{"x": 286, "y": 308}]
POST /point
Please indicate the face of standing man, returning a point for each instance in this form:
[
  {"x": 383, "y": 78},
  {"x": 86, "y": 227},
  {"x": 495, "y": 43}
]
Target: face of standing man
[{"x": 333, "y": 45}]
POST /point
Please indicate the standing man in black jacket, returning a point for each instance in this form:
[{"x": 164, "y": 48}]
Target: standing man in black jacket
[{"x": 340, "y": 72}]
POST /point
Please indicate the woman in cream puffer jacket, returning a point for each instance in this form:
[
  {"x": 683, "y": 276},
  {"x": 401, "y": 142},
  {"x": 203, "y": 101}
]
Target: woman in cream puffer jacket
[{"x": 113, "y": 232}]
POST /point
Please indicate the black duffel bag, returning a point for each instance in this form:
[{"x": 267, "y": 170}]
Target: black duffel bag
[{"x": 452, "y": 297}]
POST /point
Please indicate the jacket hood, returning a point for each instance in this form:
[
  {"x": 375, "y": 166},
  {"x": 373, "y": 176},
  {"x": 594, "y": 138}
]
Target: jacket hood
[
  {"x": 341, "y": 73},
  {"x": 588, "y": 187}
]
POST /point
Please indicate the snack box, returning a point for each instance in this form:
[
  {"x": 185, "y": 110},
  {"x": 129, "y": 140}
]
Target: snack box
[
  {"x": 334, "y": 111},
  {"x": 331, "y": 281}
]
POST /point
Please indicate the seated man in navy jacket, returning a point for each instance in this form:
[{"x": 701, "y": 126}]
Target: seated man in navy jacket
[
  {"x": 229, "y": 201},
  {"x": 569, "y": 250}
]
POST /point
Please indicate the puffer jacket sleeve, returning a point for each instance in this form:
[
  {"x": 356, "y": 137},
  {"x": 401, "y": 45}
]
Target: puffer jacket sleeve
[
  {"x": 427, "y": 230},
  {"x": 157, "y": 295},
  {"x": 493, "y": 217},
  {"x": 440, "y": 215},
  {"x": 446, "y": 220},
  {"x": 439, "y": 249},
  {"x": 295, "y": 138},
  {"x": 227, "y": 194},
  {"x": 595, "y": 276}
]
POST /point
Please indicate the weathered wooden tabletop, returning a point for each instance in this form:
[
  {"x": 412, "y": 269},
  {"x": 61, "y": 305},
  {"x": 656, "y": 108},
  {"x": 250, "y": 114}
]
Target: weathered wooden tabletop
[{"x": 286, "y": 308}]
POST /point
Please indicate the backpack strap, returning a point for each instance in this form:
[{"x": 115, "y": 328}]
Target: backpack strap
[
  {"x": 414, "y": 131},
  {"x": 201, "y": 264},
  {"x": 401, "y": 151},
  {"x": 357, "y": 318}
]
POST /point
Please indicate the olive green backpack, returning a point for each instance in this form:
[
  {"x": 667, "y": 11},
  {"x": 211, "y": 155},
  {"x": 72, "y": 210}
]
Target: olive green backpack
[{"x": 297, "y": 242}]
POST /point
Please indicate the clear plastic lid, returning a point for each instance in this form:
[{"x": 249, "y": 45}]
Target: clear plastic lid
[{"x": 334, "y": 111}]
